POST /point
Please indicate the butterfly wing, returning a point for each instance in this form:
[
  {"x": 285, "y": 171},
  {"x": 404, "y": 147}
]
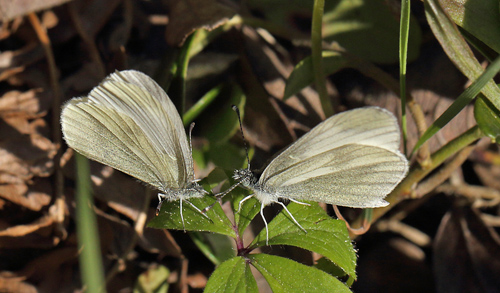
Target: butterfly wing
[
  {"x": 129, "y": 123},
  {"x": 353, "y": 175},
  {"x": 351, "y": 159}
]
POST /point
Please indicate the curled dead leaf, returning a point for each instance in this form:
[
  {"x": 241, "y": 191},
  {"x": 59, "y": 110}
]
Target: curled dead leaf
[{"x": 186, "y": 16}]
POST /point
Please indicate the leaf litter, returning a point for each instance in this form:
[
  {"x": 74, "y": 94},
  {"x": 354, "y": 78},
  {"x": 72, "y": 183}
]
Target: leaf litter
[{"x": 37, "y": 256}]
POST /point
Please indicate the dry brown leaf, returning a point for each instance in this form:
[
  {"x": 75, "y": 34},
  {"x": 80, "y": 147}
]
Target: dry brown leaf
[
  {"x": 7, "y": 28},
  {"x": 466, "y": 253},
  {"x": 24, "y": 104},
  {"x": 160, "y": 241},
  {"x": 11, "y": 62},
  {"x": 392, "y": 265},
  {"x": 186, "y": 16},
  {"x": 10, "y": 9},
  {"x": 122, "y": 192},
  {"x": 265, "y": 69},
  {"x": 23, "y": 195},
  {"x": 25, "y": 152},
  {"x": 82, "y": 81},
  {"x": 21, "y": 230},
  {"x": 486, "y": 168},
  {"x": 197, "y": 281},
  {"x": 49, "y": 266},
  {"x": 116, "y": 234},
  {"x": 29, "y": 241},
  {"x": 432, "y": 104},
  {"x": 273, "y": 65},
  {"x": 16, "y": 285}
]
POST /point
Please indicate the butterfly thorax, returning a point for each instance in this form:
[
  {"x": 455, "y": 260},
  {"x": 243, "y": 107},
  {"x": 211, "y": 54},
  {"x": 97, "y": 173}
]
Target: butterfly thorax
[
  {"x": 250, "y": 181},
  {"x": 193, "y": 190}
]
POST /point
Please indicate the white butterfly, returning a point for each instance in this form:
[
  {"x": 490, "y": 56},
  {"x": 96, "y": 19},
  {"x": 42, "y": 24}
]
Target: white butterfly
[
  {"x": 351, "y": 159},
  {"x": 129, "y": 123}
]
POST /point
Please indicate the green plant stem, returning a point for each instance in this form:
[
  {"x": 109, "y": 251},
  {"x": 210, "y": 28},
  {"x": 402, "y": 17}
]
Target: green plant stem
[
  {"x": 88, "y": 239},
  {"x": 417, "y": 172},
  {"x": 317, "y": 58},
  {"x": 177, "y": 86},
  {"x": 182, "y": 73},
  {"x": 465, "y": 98},
  {"x": 403, "y": 56},
  {"x": 457, "y": 49},
  {"x": 201, "y": 105}
]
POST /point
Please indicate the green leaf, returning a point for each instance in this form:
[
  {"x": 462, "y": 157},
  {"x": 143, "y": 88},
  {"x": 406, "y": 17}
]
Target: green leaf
[
  {"x": 487, "y": 117},
  {"x": 216, "y": 247},
  {"x": 479, "y": 18},
  {"x": 303, "y": 74},
  {"x": 326, "y": 236},
  {"x": 465, "y": 98},
  {"x": 334, "y": 61},
  {"x": 227, "y": 155},
  {"x": 152, "y": 280},
  {"x": 249, "y": 209},
  {"x": 457, "y": 49},
  {"x": 285, "y": 275},
  {"x": 217, "y": 222},
  {"x": 178, "y": 84},
  {"x": 220, "y": 130},
  {"x": 215, "y": 177},
  {"x": 329, "y": 267},
  {"x": 199, "y": 158},
  {"x": 368, "y": 29},
  {"x": 200, "y": 105},
  {"x": 233, "y": 275},
  {"x": 203, "y": 37},
  {"x": 317, "y": 59}
]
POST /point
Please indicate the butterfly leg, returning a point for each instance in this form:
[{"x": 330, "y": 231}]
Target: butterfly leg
[
  {"x": 299, "y": 202},
  {"x": 197, "y": 209},
  {"x": 242, "y": 201},
  {"x": 220, "y": 195},
  {"x": 297, "y": 223},
  {"x": 161, "y": 198},
  {"x": 265, "y": 222},
  {"x": 182, "y": 217},
  {"x": 231, "y": 188}
]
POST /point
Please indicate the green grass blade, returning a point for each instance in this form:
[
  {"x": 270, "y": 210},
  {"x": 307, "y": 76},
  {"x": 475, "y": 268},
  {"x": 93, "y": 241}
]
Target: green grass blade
[
  {"x": 465, "y": 98},
  {"x": 457, "y": 49},
  {"x": 88, "y": 238},
  {"x": 403, "y": 57},
  {"x": 317, "y": 49},
  {"x": 201, "y": 105}
]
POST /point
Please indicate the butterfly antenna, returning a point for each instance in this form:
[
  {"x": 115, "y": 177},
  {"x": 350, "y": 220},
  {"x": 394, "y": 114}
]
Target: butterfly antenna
[
  {"x": 191, "y": 126},
  {"x": 235, "y": 108}
]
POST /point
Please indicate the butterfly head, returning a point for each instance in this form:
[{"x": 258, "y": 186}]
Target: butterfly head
[{"x": 245, "y": 177}]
